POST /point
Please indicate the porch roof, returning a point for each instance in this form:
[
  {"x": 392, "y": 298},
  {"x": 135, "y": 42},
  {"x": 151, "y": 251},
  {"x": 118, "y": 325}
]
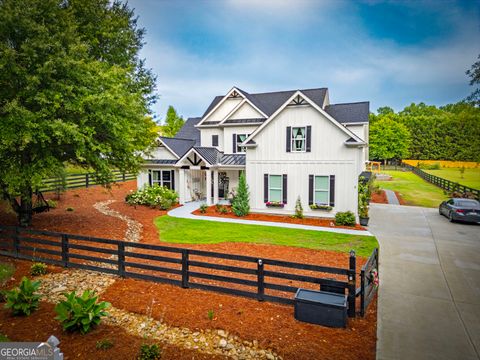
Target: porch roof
[{"x": 232, "y": 159}]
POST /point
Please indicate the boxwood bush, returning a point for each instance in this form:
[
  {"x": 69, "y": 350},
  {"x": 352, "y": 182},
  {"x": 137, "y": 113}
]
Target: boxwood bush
[
  {"x": 346, "y": 218},
  {"x": 154, "y": 196}
]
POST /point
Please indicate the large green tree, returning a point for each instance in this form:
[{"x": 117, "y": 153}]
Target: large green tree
[
  {"x": 173, "y": 122},
  {"x": 72, "y": 90},
  {"x": 388, "y": 140},
  {"x": 474, "y": 74}
]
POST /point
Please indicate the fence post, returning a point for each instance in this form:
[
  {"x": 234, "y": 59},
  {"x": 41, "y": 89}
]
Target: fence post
[
  {"x": 185, "y": 277},
  {"x": 362, "y": 292},
  {"x": 123, "y": 176},
  {"x": 351, "y": 284},
  {"x": 16, "y": 242},
  {"x": 260, "y": 280},
  {"x": 87, "y": 177},
  {"x": 121, "y": 259},
  {"x": 65, "y": 257}
]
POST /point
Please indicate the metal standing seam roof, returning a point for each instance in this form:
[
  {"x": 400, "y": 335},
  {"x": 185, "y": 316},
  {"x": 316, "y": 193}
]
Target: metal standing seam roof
[
  {"x": 161, "y": 161},
  {"x": 244, "y": 121},
  {"x": 210, "y": 154},
  {"x": 232, "y": 159}
]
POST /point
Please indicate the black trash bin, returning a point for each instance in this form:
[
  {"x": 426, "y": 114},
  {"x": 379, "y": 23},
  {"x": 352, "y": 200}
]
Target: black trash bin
[{"x": 321, "y": 307}]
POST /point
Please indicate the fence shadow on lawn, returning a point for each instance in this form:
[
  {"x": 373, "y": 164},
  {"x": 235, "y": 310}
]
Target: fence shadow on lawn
[{"x": 258, "y": 278}]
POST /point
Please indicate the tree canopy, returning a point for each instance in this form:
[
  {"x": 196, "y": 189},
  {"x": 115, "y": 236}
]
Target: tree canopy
[
  {"x": 173, "y": 123},
  {"x": 474, "y": 74},
  {"x": 72, "y": 90},
  {"x": 388, "y": 139}
]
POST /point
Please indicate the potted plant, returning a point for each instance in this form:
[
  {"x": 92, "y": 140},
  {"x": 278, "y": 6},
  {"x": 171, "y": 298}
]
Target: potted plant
[{"x": 363, "y": 200}]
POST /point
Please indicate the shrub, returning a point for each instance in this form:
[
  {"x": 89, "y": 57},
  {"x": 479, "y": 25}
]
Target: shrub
[
  {"x": 52, "y": 203},
  {"x": 38, "y": 269},
  {"x": 298, "y": 209},
  {"x": 241, "y": 202},
  {"x": 69, "y": 209},
  {"x": 80, "y": 312},
  {"x": 346, "y": 218},
  {"x": 203, "y": 208},
  {"x": 149, "y": 352},
  {"x": 425, "y": 166},
  {"x": 155, "y": 196},
  {"x": 223, "y": 210},
  {"x": 210, "y": 314},
  {"x": 23, "y": 300},
  {"x": 104, "y": 344},
  {"x": 4, "y": 338}
]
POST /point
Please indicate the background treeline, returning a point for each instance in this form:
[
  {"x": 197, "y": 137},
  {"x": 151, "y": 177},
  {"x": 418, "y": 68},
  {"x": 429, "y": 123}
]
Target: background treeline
[{"x": 425, "y": 132}]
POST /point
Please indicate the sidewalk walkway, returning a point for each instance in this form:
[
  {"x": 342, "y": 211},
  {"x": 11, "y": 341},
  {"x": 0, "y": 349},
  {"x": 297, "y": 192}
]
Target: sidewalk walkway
[
  {"x": 429, "y": 295},
  {"x": 391, "y": 197},
  {"x": 185, "y": 212}
]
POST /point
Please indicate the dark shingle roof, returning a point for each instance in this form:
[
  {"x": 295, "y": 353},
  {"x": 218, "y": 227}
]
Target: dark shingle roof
[
  {"x": 349, "y": 113},
  {"x": 232, "y": 159},
  {"x": 271, "y": 101},
  {"x": 178, "y": 146},
  {"x": 210, "y": 154},
  {"x": 189, "y": 131},
  {"x": 160, "y": 161}
]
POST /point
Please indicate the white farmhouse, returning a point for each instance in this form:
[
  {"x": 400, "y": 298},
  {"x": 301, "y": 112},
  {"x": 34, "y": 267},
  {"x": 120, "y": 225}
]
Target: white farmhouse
[{"x": 290, "y": 144}]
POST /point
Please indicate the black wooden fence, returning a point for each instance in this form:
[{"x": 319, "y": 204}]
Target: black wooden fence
[
  {"x": 80, "y": 180},
  {"x": 442, "y": 183},
  {"x": 368, "y": 288},
  {"x": 258, "y": 278}
]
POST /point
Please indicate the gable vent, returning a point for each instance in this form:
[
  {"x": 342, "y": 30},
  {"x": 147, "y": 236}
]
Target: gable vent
[{"x": 298, "y": 101}]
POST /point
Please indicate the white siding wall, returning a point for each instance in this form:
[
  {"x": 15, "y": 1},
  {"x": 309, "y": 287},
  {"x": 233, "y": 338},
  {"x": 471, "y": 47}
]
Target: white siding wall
[
  {"x": 228, "y": 132},
  {"x": 246, "y": 111},
  {"x": 223, "y": 110},
  {"x": 358, "y": 130},
  {"x": 206, "y": 137},
  {"x": 328, "y": 156},
  {"x": 162, "y": 152}
]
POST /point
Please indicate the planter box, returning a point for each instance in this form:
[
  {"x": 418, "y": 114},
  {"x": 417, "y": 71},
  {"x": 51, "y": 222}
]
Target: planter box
[
  {"x": 320, "y": 307},
  {"x": 275, "y": 205}
]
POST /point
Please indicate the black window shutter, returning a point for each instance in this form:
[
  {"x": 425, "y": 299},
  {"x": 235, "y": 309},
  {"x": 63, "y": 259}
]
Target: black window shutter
[
  {"x": 172, "y": 179},
  {"x": 284, "y": 188},
  {"x": 310, "y": 189},
  {"x": 332, "y": 190},
  {"x": 309, "y": 138},
  {"x": 150, "y": 177},
  {"x": 234, "y": 143},
  {"x": 265, "y": 188},
  {"x": 289, "y": 138}
]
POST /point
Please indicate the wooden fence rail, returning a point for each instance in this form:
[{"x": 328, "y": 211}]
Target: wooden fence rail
[
  {"x": 75, "y": 181},
  {"x": 258, "y": 278},
  {"x": 368, "y": 288},
  {"x": 442, "y": 183}
]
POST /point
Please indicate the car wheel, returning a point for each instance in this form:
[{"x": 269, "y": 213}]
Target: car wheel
[{"x": 450, "y": 217}]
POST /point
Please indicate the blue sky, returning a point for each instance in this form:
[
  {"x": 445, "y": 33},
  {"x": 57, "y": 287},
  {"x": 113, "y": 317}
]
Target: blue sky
[{"x": 386, "y": 52}]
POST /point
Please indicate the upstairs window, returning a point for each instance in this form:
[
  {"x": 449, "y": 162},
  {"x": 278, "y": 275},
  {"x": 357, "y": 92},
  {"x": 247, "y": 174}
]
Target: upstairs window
[
  {"x": 240, "y": 139},
  {"x": 299, "y": 137},
  {"x": 214, "y": 140}
]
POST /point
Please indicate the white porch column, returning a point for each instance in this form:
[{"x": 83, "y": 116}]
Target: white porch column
[
  {"x": 215, "y": 186},
  {"x": 209, "y": 186},
  {"x": 181, "y": 186}
]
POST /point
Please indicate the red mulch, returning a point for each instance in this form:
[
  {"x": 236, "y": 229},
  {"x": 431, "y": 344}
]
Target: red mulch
[
  {"x": 379, "y": 198},
  {"x": 255, "y": 319},
  {"x": 272, "y": 324},
  {"x": 401, "y": 200},
  {"x": 41, "y": 324},
  {"x": 212, "y": 211}
]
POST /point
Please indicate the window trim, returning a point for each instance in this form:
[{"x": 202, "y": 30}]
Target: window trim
[
  {"x": 292, "y": 139},
  {"x": 315, "y": 189},
  {"x": 161, "y": 182},
  {"x": 281, "y": 188},
  {"x": 240, "y": 148}
]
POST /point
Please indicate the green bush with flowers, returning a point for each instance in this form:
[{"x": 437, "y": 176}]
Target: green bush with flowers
[{"x": 155, "y": 196}]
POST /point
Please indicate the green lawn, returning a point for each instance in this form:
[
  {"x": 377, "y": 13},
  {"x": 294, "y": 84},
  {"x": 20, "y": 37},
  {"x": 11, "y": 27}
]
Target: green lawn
[
  {"x": 6, "y": 271},
  {"x": 188, "y": 231},
  {"x": 413, "y": 189},
  {"x": 470, "y": 178}
]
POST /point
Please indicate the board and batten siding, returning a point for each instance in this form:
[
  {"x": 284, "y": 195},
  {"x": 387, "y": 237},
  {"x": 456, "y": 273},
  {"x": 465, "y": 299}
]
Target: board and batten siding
[
  {"x": 328, "y": 156},
  {"x": 161, "y": 152},
  {"x": 246, "y": 111},
  {"x": 223, "y": 110},
  {"x": 206, "y": 137},
  {"x": 228, "y": 132}
]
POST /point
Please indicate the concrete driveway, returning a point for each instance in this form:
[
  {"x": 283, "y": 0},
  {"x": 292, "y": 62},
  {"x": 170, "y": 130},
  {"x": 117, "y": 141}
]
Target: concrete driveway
[{"x": 429, "y": 297}]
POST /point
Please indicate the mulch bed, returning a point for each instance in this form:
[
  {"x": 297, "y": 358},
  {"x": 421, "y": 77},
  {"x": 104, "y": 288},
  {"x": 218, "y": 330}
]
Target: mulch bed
[
  {"x": 213, "y": 211},
  {"x": 41, "y": 324},
  {"x": 379, "y": 197},
  {"x": 273, "y": 325},
  {"x": 249, "y": 318},
  {"x": 401, "y": 200}
]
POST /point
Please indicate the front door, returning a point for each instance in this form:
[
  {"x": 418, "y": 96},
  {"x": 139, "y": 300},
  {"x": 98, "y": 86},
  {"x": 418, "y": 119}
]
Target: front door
[{"x": 223, "y": 181}]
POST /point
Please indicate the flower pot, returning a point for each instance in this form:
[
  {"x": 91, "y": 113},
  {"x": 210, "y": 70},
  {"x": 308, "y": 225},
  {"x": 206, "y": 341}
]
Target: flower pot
[{"x": 364, "y": 221}]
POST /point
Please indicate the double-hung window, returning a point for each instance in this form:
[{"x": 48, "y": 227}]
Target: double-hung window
[
  {"x": 321, "y": 190},
  {"x": 299, "y": 138},
  {"x": 162, "y": 178},
  {"x": 240, "y": 139},
  {"x": 275, "y": 188}
]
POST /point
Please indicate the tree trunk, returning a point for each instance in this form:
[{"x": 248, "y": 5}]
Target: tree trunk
[{"x": 25, "y": 210}]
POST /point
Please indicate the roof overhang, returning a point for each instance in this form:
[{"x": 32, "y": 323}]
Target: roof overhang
[
  {"x": 192, "y": 150},
  {"x": 159, "y": 139}
]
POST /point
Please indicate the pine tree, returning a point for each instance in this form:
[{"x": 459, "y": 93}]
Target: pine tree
[
  {"x": 298, "y": 209},
  {"x": 241, "y": 203},
  {"x": 173, "y": 122}
]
